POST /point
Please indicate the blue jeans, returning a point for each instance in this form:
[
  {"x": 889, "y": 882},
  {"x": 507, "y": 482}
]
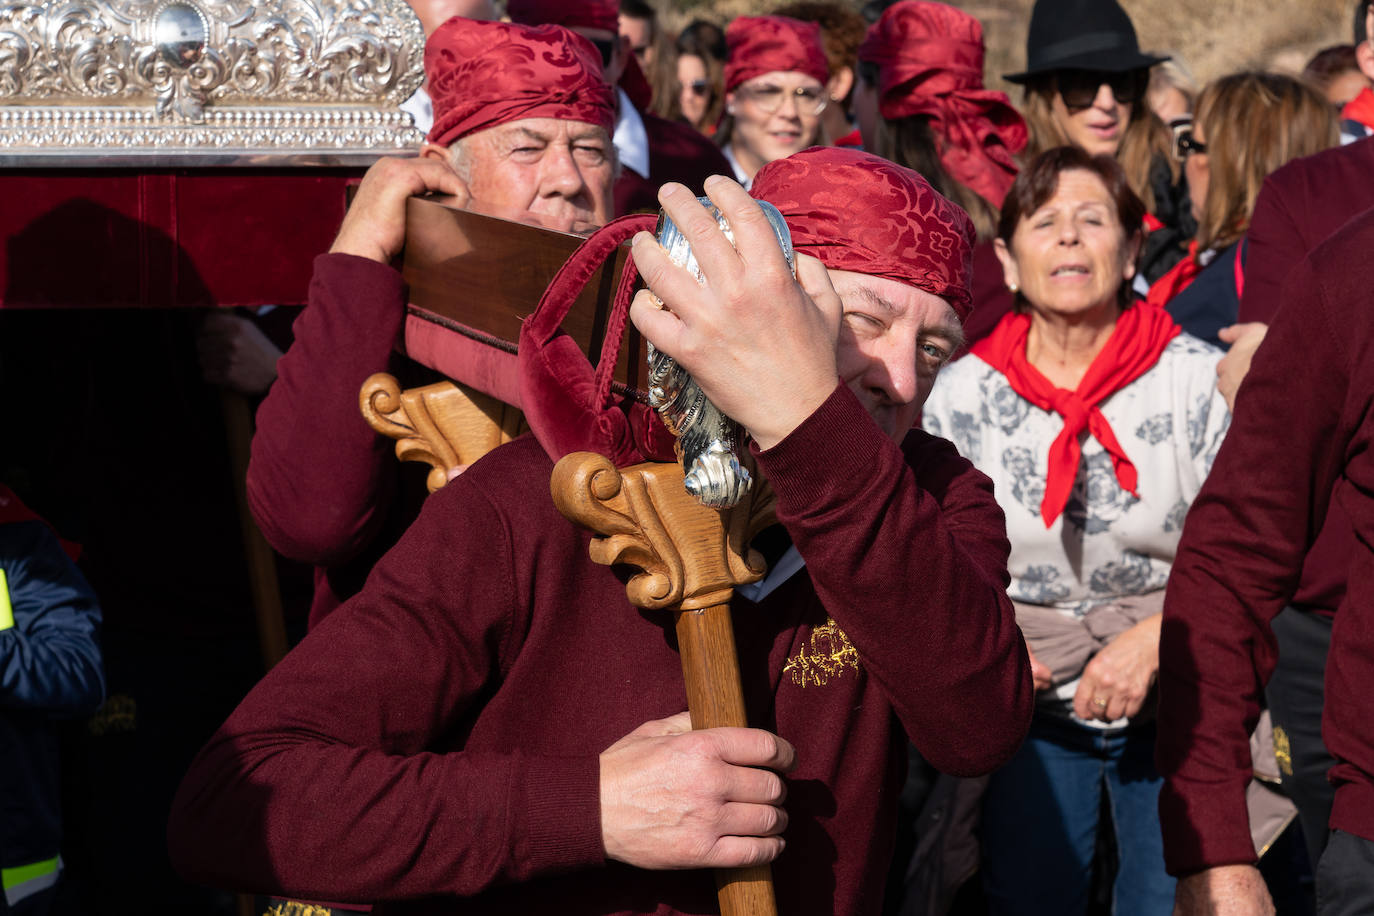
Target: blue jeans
[{"x": 1041, "y": 820}]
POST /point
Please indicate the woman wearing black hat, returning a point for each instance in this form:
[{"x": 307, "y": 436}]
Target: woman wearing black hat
[{"x": 1085, "y": 83}]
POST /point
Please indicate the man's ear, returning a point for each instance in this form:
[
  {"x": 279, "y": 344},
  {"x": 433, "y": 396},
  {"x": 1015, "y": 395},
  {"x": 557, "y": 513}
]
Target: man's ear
[
  {"x": 840, "y": 84},
  {"x": 431, "y": 151}
]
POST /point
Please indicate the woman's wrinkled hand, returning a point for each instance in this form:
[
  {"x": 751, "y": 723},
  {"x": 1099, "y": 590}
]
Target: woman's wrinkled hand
[{"x": 1117, "y": 679}]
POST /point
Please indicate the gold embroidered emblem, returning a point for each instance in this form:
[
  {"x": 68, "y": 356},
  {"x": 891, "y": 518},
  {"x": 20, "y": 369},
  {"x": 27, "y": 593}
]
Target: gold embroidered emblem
[
  {"x": 118, "y": 714},
  {"x": 1282, "y": 752},
  {"x": 827, "y": 654},
  {"x": 295, "y": 908}
]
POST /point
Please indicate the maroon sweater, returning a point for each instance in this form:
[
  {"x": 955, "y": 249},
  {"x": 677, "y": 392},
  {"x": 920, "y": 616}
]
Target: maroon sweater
[
  {"x": 439, "y": 733},
  {"x": 677, "y": 152},
  {"x": 1299, "y": 206},
  {"x": 1242, "y": 549},
  {"x": 325, "y": 489}
]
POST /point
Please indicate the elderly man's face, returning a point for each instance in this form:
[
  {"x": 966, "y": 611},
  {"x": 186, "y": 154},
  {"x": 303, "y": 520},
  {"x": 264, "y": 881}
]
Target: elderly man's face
[
  {"x": 894, "y": 338},
  {"x": 542, "y": 171}
]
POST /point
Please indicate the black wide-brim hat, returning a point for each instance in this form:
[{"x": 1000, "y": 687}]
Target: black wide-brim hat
[{"x": 1081, "y": 35}]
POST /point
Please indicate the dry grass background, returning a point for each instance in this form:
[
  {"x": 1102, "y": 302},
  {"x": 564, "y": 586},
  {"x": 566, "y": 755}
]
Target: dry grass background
[{"x": 1213, "y": 37}]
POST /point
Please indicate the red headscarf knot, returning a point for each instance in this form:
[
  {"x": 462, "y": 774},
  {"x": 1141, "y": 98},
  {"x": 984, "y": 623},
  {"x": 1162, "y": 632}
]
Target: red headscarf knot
[
  {"x": 930, "y": 62},
  {"x": 855, "y": 211},
  {"x": 763, "y": 44},
  {"x": 484, "y": 74}
]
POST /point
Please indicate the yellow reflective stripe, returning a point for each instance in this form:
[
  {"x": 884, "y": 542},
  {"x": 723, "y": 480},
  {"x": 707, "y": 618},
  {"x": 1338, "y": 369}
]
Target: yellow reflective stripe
[
  {"x": 10, "y": 877},
  {"x": 6, "y": 611}
]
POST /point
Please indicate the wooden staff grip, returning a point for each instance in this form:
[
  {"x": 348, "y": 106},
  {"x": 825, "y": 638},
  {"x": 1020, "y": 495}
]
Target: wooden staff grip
[
  {"x": 690, "y": 560},
  {"x": 715, "y": 699}
]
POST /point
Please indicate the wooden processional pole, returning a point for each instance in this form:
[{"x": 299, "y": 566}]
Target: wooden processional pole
[{"x": 690, "y": 559}]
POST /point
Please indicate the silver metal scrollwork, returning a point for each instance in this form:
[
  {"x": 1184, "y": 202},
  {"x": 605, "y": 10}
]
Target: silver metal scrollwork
[
  {"x": 134, "y": 82},
  {"x": 707, "y": 439}
]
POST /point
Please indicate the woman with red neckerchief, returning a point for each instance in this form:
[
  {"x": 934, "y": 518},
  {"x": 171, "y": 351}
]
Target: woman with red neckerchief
[{"x": 1097, "y": 420}]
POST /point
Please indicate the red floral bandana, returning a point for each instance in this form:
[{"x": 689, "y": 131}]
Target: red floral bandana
[
  {"x": 1140, "y": 336},
  {"x": 603, "y": 15},
  {"x": 484, "y": 74},
  {"x": 930, "y": 62},
  {"x": 762, "y": 44},
  {"x": 855, "y": 211}
]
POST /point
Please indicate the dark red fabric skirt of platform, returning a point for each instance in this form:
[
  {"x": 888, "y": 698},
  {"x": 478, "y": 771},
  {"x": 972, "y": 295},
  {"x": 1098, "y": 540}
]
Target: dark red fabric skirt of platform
[{"x": 165, "y": 238}]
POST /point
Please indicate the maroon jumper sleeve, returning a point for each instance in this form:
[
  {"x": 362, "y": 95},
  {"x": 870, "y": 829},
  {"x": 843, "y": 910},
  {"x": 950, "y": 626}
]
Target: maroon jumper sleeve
[
  {"x": 320, "y": 480},
  {"x": 1238, "y": 564},
  {"x": 907, "y": 549},
  {"x": 1298, "y": 206},
  {"x": 326, "y": 782},
  {"x": 1275, "y": 243}
]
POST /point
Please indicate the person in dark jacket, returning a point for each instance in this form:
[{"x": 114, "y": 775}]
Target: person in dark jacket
[
  {"x": 50, "y": 668},
  {"x": 1247, "y": 125}
]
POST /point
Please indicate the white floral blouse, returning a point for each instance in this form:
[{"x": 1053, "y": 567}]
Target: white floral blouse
[{"x": 1107, "y": 543}]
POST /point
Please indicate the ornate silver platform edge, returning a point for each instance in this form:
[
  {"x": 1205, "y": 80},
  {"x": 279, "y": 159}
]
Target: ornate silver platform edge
[
  {"x": 126, "y": 137},
  {"x": 213, "y": 80},
  {"x": 707, "y": 438}
]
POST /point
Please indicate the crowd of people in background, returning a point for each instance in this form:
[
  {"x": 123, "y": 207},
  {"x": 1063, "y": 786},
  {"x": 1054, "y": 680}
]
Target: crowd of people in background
[{"x": 1131, "y": 234}]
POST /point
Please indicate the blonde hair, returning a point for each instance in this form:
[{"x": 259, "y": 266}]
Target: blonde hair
[
  {"x": 1172, "y": 74},
  {"x": 1145, "y": 140},
  {"x": 1252, "y": 123}
]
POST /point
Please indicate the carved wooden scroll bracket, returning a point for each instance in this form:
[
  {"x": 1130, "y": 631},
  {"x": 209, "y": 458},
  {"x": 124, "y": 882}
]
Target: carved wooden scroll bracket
[
  {"x": 445, "y": 425},
  {"x": 690, "y": 558}
]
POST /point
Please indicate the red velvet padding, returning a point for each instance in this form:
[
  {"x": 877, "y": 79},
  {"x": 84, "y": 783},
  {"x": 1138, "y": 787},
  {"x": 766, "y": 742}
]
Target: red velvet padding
[{"x": 569, "y": 404}]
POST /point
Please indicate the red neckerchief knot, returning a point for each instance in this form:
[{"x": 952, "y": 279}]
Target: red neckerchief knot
[{"x": 1140, "y": 336}]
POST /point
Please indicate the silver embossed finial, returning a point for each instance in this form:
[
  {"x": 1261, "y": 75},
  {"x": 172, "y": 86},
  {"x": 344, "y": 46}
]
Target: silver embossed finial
[{"x": 707, "y": 439}]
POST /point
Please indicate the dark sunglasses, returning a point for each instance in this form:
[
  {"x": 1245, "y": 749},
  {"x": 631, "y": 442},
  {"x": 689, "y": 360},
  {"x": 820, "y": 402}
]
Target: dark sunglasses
[
  {"x": 1185, "y": 144},
  {"x": 1078, "y": 88},
  {"x": 698, "y": 88},
  {"x": 607, "y": 48}
]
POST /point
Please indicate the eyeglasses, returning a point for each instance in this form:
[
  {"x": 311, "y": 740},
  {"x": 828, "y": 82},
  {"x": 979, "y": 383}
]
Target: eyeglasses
[
  {"x": 1185, "y": 144},
  {"x": 699, "y": 88},
  {"x": 1078, "y": 88},
  {"x": 769, "y": 99}
]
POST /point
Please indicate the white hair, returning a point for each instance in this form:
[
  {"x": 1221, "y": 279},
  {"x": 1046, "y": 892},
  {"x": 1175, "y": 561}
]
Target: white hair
[{"x": 460, "y": 159}]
